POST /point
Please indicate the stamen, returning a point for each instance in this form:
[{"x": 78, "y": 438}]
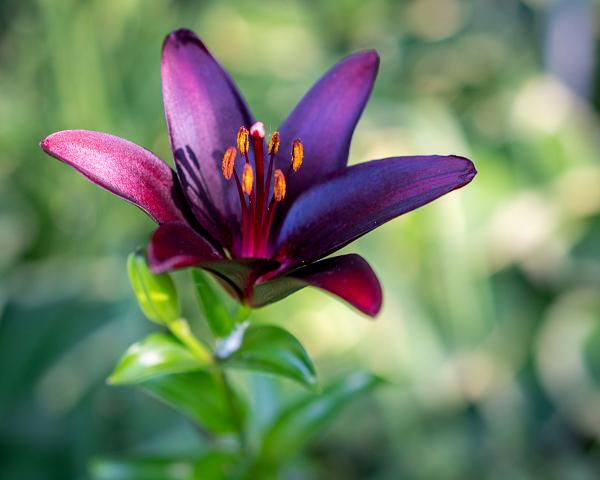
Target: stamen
[
  {"x": 243, "y": 142},
  {"x": 228, "y": 162},
  {"x": 247, "y": 179},
  {"x": 297, "y": 154},
  {"x": 258, "y": 211},
  {"x": 279, "y": 186},
  {"x": 274, "y": 143}
]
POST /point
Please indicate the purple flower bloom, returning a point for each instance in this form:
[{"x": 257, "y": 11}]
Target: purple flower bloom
[{"x": 261, "y": 215}]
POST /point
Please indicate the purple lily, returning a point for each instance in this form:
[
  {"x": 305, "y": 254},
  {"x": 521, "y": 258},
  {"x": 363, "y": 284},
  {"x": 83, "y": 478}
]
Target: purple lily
[{"x": 259, "y": 215}]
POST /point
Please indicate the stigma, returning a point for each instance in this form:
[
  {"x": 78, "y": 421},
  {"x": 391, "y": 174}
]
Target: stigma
[{"x": 258, "y": 201}]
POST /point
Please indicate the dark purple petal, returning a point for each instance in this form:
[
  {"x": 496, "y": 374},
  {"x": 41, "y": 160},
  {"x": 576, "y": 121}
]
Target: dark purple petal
[
  {"x": 324, "y": 121},
  {"x": 176, "y": 245},
  {"x": 122, "y": 168},
  {"x": 358, "y": 199},
  {"x": 348, "y": 276},
  {"x": 240, "y": 274},
  {"x": 204, "y": 111}
]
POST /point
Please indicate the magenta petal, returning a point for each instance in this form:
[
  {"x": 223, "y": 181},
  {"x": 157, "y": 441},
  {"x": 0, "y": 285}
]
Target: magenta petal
[
  {"x": 122, "y": 168},
  {"x": 204, "y": 111},
  {"x": 240, "y": 274},
  {"x": 324, "y": 120},
  {"x": 348, "y": 276},
  {"x": 176, "y": 245},
  {"x": 358, "y": 199}
]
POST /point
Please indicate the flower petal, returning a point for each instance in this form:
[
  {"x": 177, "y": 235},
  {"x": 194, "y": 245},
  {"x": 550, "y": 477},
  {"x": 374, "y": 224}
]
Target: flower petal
[
  {"x": 348, "y": 276},
  {"x": 123, "y": 168},
  {"x": 359, "y": 198},
  {"x": 324, "y": 121},
  {"x": 176, "y": 245},
  {"x": 204, "y": 111},
  {"x": 240, "y": 274}
]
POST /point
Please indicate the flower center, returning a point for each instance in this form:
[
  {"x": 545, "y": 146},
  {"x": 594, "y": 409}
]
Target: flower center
[{"x": 258, "y": 210}]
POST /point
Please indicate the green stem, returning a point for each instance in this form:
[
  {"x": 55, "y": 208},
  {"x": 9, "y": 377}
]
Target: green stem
[
  {"x": 235, "y": 413},
  {"x": 181, "y": 329}
]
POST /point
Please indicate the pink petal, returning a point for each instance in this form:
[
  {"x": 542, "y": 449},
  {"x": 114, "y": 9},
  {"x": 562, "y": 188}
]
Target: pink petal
[{"x": 121, "y": 167}]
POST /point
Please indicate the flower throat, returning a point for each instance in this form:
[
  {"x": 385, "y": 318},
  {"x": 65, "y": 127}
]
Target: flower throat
[{"x": 258, "y": 211}]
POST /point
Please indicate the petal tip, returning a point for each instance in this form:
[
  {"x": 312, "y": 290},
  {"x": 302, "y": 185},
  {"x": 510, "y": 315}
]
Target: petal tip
[
  {"x": 373, "y": 310},
  {"x": 371, "y": 56},
  {"x": 468, "y": 172},
  {"x": 45, "y": 144},
  {"x": 367, "y": 60},
  {"x": 182, "y": 36}
]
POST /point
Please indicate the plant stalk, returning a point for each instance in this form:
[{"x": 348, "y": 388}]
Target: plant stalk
[{"x": 235, "y": 412}]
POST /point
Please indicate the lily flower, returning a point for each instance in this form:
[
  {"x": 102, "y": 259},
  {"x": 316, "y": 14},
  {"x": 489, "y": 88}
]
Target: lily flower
[{"x": 261, "y": 212}]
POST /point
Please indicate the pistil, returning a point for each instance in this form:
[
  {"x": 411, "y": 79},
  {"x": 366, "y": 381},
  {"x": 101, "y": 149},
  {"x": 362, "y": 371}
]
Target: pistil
[{"x": 259, "y": 213}]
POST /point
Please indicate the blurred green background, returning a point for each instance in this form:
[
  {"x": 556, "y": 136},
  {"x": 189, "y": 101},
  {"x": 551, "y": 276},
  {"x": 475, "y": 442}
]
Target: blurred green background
[{"x": 490, "y": 331}]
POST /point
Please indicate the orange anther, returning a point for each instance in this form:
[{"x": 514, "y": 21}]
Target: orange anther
[
  {"x": 279, "y": 186},
  {"x": 228, "y": 162},
  {"x": 274, "y": 143},
  {"x": 297, "y": 154},
  {"x": 247, "y": 179},
  {"x": 243, "y": 142}
]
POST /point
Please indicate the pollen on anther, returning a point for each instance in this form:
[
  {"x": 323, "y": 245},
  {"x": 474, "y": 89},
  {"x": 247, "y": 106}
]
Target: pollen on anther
[
  {"x": 228, "y": 162},
  {"x": 274, "y": 143},
  {"x": 279, "y": 186},
  {"x": 297, "y": 154},
  {"x": 243, "y": 142},
  {"x": 247, "y": 179}
]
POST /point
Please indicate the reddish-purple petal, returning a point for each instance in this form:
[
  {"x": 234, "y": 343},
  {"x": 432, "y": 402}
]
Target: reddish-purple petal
[
  {"x": 204, "y": 111},
  {"x": 176, "y": 245},
  {"x": 324, "y": 121},
  {"x": 348, "y": 276},
  {"x": 122, "y": 168},
  {"x": 240, "y": 274},
  {"x": 359, "y": 198}
]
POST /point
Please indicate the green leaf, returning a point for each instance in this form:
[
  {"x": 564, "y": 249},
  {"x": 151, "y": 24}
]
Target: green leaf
[
  {"x": 273, "y": 350},
  {"x": 201, "y": 396},
  {"x": 303, "y": 420},
  {"x": 156, "y": 294},
  {"x": 157, "y": 355},
  {"x": 213, "y": 304},
  {"x": 143, "y": 469},
  {"x": 217, "y": 465}
]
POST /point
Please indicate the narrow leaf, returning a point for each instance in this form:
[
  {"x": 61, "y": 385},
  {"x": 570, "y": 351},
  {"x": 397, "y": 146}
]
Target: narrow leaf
[
  {"x": 273, "y": 350},
  {"x": 201, "y": 396},
  {"x": 157, "y": 355},
  {"x": 303, "y": 420},
  {"x": 156, "y": 294}
]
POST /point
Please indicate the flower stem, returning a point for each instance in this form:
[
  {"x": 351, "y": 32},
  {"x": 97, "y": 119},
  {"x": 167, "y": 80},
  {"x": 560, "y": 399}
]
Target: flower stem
[
  {"x": 235, "y": 413},
  {"x": 181, "y": 329}
]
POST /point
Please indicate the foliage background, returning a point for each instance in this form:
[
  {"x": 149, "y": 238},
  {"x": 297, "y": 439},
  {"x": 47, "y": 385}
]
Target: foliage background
[{"x": 490, "y": 333}]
